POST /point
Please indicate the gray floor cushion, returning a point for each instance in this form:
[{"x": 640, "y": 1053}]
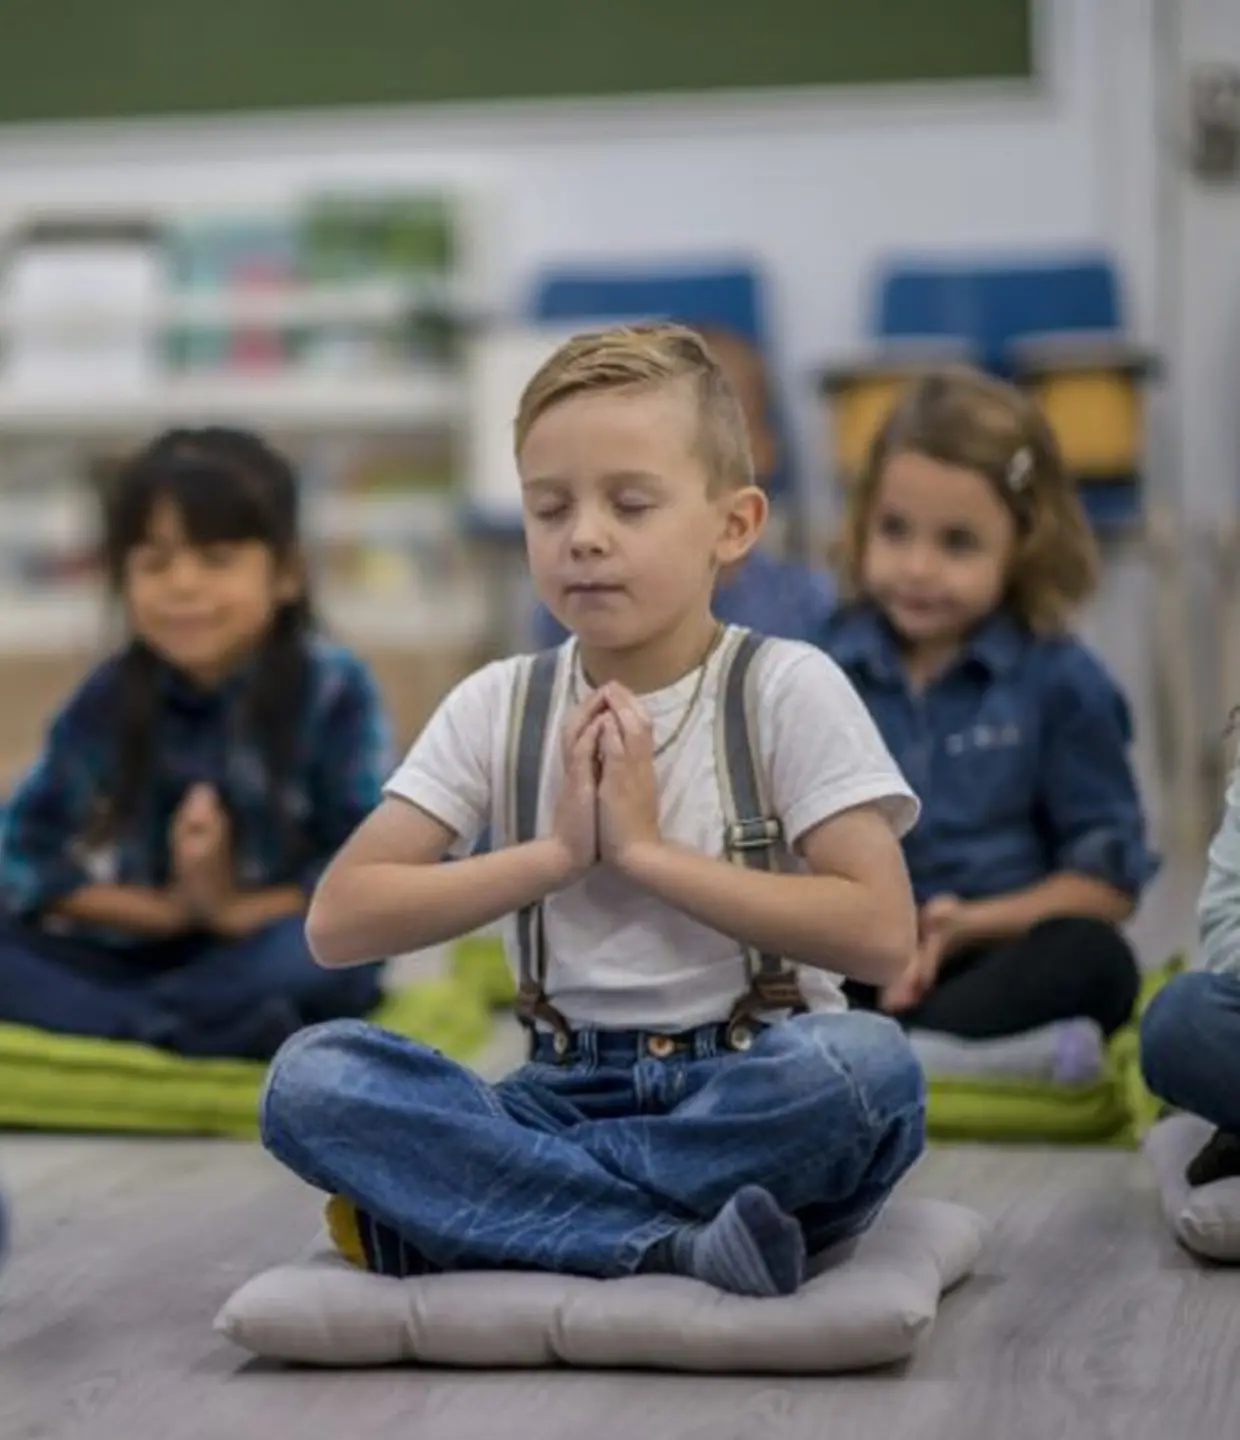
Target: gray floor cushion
[
  {"x": 869, "y": 1305},
  {"x": 1205, "y": 1219}
]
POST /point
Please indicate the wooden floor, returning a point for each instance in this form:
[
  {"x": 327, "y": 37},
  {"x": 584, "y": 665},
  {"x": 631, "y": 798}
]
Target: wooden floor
[{"x": 1083, "y": 1321}]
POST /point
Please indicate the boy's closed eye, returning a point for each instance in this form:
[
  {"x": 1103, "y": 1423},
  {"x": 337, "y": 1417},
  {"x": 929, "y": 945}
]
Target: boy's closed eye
[{"x": 632, "y": 506}]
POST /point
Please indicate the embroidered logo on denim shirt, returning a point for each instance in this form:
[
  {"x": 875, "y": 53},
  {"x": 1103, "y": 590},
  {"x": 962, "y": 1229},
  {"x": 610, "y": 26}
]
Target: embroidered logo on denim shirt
[
  {"x": 984, "y": 737},
  {"x": 100, "y": 863}
]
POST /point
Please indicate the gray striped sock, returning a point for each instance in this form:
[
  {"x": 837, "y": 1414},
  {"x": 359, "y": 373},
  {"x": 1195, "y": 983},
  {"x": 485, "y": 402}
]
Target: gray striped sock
[{"x": 750, "y": 1248}]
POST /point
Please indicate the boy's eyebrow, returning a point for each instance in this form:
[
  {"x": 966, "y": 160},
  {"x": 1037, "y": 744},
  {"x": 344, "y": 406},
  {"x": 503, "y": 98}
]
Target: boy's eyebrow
[
  {"x": 612, "y": 477},
  {"x": 632, "y": 477}
]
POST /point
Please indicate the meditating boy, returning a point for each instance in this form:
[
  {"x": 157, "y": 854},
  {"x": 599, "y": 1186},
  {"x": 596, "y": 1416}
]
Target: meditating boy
[{"x": 696, "y": 834}]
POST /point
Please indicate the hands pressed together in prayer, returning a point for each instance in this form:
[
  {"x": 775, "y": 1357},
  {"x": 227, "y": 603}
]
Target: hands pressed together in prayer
[
  {"x": 609, "y": 802},
  {"x": 200, "y": 847}
]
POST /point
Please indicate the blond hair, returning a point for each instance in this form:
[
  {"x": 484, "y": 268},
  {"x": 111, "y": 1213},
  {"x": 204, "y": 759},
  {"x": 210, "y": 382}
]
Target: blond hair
[
  {"x": 961, "y": 417},
  {"x": 648, "y": 358}
]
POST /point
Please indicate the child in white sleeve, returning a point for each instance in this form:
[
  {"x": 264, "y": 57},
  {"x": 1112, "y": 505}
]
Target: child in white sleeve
[{"x": 697, "y": 835}]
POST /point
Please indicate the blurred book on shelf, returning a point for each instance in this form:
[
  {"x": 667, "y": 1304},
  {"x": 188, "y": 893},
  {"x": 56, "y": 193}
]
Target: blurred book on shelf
[
  {"x": 351, "y": 284},
  {"x": 221, "y": 257}
]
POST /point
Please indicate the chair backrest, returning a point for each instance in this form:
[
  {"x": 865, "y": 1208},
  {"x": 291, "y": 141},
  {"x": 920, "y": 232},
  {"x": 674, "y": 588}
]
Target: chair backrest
[
  {"x": 726, "y": 297},
  {"x": 991, "y": 305}
]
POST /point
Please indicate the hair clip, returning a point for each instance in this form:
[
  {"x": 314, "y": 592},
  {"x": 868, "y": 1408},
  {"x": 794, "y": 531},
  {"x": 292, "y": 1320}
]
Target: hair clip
[{"x": 1020, "y": 470}]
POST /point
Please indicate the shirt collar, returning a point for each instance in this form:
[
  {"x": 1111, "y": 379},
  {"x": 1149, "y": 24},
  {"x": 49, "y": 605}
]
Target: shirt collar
[
  {"x": 187, "y": 695},
  {"x": 863, "y": 638},
  {"x": 999, "y": 643}
]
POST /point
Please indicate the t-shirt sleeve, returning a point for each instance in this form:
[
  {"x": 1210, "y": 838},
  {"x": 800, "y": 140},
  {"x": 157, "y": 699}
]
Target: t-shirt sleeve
[
  {"x": 447, "y": 771},
  {"x": 823, "y": 752}
]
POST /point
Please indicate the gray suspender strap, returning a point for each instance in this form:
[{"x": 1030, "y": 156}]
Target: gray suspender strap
[
  {"x": 752, "y": 835},
  {"x": 532, "y": 706}
]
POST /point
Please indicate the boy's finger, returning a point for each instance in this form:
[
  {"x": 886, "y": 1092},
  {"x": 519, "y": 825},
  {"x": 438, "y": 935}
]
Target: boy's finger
[
  {"x": 585, "y": 746},
  {"x": 580, "y": 718},
  {"x": 613, "y": 742},
  {"x": 631, "y": 721}
]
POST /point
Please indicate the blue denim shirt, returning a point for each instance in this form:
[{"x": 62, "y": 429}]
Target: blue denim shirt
[
  {"x": 1019, "y": 753},
  {"x": 341, "y": 757},
  {"x": 780, "y": 598}
]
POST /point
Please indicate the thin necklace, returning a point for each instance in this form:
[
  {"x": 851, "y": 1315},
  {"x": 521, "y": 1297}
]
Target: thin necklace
[{"x": 671, "y": 739}]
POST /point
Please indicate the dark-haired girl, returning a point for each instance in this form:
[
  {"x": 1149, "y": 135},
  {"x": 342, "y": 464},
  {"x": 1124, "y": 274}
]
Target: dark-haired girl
[{"x": 156, "y": 861}]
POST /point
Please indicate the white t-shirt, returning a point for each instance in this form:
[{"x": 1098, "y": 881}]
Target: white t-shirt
[{"x": 617, "y": 956}]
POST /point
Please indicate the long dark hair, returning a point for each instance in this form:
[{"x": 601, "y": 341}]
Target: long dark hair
[{"x": 227, "y": 486}]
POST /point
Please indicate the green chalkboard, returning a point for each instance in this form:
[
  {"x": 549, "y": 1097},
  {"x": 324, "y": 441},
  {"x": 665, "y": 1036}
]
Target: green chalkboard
[{"x": 94, "y": 59}]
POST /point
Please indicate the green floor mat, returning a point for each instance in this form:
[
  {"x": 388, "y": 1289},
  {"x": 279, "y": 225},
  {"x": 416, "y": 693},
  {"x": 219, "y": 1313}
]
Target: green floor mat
[
  {"x": 1115, "y": 1110},
  {"x": 479, "y": 962},
  {"x": 60, "y": 1082}
]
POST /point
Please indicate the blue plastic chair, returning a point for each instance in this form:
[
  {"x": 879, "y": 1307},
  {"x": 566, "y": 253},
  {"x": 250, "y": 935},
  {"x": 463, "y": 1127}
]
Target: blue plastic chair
[{"x": 990, "y": 306}]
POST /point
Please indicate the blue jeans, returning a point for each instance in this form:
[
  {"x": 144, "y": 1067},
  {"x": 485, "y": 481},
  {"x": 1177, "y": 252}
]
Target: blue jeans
[
  {"x": 196, "y": 995},
  {"x": 1190, "y": 1046},
  {"x": 581, "y": 1166}
]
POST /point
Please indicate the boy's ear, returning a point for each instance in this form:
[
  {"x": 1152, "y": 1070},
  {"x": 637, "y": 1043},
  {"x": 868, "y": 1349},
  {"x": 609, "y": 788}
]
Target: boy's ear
[{"x": 745, "y": 512}]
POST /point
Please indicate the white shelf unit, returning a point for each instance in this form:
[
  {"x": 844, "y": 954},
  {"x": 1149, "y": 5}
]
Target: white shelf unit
[
  {"x": 295, "y": 404},
  {"x": 310, "y": 404}
]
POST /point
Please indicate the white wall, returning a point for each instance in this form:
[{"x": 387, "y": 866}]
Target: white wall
[
  {"x": 1203, "y": 266},
  {"x": 1207, "y": 336}
]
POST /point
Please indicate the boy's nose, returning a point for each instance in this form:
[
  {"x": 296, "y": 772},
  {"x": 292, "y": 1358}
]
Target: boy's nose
[{"x": 589, "y": 535}]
